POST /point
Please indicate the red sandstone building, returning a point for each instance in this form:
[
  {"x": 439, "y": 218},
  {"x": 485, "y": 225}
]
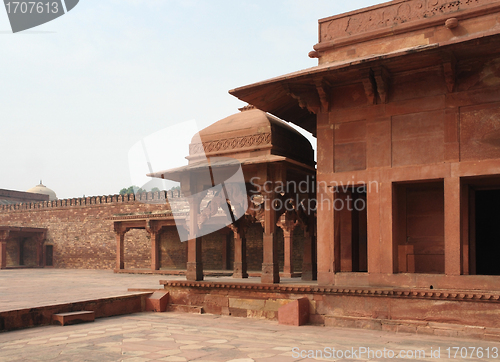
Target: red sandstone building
[
  {"x": 405, "y": 104},
  {"x": 406, "y": 100}
]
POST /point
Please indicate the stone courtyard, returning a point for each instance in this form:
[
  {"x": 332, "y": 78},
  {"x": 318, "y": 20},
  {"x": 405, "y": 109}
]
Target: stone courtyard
[{"x": 175, "y": 336}]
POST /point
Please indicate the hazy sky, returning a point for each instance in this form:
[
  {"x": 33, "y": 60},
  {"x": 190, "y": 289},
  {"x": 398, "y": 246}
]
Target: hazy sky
[{"x": 77, "y": 93}]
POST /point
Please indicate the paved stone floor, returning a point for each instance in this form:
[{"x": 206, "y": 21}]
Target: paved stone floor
[
  {"x": 27, "y": 288},
  {"x": 187, "y": 337},
  {"x": 202, "y": 338}
]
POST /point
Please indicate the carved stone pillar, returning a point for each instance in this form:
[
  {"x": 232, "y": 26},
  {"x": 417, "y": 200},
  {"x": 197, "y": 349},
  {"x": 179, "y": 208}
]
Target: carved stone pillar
[
  {"x": 4, "y": 237},
  {"x": 288, "y": 221},
  {"x": 226, "y": 241},
  {"x": 307, "y": 258},
  {"x": 194, "y": 258},
  {"x": 240, "y": 249},
  {"x": 154, "y": 232},
  {"x": 270, "y": 266},
  {"x": 120, "y": 252}
]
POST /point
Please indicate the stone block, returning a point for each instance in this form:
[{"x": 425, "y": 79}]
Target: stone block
[
  {"x": 73, "y": 317},
  {"x": 185, "y": 308},
  {"x": 317, "y": 319},
  {"x": 295, "y": 313},
  {"x": 407, "y": 329},
  {"x": 157, "y": 302},
  {"x": 252, "y": 304}
]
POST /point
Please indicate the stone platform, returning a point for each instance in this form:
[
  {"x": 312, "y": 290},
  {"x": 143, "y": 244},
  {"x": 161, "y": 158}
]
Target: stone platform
[
  {"x": 30, "y": 297},
  {"x": 463, "y": 313}
]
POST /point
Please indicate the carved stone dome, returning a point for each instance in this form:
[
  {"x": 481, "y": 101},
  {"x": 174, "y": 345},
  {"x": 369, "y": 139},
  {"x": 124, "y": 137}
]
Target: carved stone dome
[
  {"x": 248, "y": 134},
  {"x": 43, "y": 190}
]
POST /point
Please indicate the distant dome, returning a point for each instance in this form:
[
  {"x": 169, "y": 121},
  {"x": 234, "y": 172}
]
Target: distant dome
[{"x": 43, "y": 190}]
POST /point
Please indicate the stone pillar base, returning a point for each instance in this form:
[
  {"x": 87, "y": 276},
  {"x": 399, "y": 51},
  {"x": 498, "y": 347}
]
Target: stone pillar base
[
  {"x": 194, "y": 271},
  {"x": 270, "y": 273},
  {"x": 240, "y": 270},
  {"x": 307, "y": 273}
]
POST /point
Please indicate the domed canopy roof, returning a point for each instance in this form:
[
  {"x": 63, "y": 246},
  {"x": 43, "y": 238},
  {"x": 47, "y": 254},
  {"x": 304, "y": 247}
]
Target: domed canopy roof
[
  {"x": 251, "y": 133},
  {"x": 43, "y": 190}
]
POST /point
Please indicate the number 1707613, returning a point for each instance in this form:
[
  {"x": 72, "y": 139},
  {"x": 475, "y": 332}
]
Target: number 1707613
[{"x": 32, "y": 7}]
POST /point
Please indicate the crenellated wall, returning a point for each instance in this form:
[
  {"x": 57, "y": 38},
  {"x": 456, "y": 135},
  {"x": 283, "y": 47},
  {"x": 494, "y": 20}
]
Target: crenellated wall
[
  {"x": 81, "y": 233},
  {"x": 80, "y": 230}
]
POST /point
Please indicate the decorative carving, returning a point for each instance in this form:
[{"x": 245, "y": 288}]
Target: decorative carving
[
  {"x": 323, "y": 89},
  {"x": 288, "y": 221},
  {"x": 307, "y": 97},
  {"x": 370, "y": 86},
  {"x": 449, "y": 70},
  {"x": 4, "y": 235},
  {"x": 230, "y": 143},
  {"x": 382, "y": 79},
  {"x": 248, "y": 107},
  {"x": 313, "y": 54},
  {"x": 390, "y": 14},
  {"x": 152, "y": 227},
  {"x": 213, "y": 206},
  {"x": 407, "y": 293},
  {"x": 40, "y": 238},
  {"x": 119, "y": 228}
]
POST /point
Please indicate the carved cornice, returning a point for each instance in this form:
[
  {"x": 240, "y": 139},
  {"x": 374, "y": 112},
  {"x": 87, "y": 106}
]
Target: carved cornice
[
  {"x": 388, "y": 15},
  {"x": 258, "y": 139},
  {"x": 168, "y": 216},
  {"x": 460, "y": 296}
]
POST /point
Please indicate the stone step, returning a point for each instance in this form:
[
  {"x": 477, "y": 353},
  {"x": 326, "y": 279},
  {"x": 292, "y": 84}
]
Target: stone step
[
  {"x": 73, "y": 317},
  {"x": 185, "y": 308},
  {"x": 157, "y": 302}
]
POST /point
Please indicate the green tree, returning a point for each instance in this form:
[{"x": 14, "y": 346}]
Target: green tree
[{"x": 131, "y": 190}]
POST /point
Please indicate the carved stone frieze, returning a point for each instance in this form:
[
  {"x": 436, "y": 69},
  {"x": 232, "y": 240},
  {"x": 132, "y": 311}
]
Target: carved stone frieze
[
  {"x": 258, "y": 139},
  {"x": 390, "y": 14}
]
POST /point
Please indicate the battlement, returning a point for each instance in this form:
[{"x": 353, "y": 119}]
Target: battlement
[{"x": 155, "y": 197}]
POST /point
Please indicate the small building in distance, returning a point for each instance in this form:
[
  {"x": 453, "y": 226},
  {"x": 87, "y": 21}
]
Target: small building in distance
[
  {"x": 8, "y": 197},
  {"x": 41, "y": 189}
]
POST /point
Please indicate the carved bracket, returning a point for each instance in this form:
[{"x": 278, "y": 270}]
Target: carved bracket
[
  {"x": 382, "y": 80},
  {"x": 152, "y": 227},
  {"x": 4, "y": 235},
  {"x": 288, "y": 221},
  {"x": 449, "y": 70},
  {"x": 324, "y": 92},
  {"x": 119, "y": 229},
  {"x": 307, "y": 97},
  {"x": 240, "y": 226},
  {"x": 370, "y": 86},
  {"x": 40, "y": 238}
]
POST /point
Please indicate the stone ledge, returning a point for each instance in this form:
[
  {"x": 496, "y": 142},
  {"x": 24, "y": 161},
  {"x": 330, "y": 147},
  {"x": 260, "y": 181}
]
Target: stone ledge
[
  {"x": 417, "y": 327},
  {"x": 463, "y": 296}
]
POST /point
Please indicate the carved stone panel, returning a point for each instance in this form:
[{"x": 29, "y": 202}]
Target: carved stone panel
[{"x": 391, "y": 14}]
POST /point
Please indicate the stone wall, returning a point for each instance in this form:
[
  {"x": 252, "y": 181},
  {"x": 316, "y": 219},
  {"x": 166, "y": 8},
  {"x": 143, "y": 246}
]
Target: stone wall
[
  {"x": 81, "y": 233},
  {"x": 80, "y": 230}
]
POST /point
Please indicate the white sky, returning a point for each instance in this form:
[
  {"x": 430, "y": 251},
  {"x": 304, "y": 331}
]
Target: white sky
[{"x": 77, "y": 93}]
